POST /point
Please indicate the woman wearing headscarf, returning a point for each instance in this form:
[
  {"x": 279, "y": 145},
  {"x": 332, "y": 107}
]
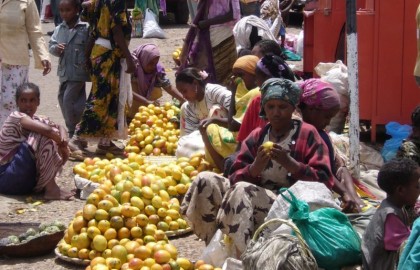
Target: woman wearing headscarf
[
  {"x": 319, "y": 103},
  {"x": 238, "y": 205},
  {"x": 149, "y": 78},
  {"x": 269, "y": 66},
  {"x": 220, "y": 140}
]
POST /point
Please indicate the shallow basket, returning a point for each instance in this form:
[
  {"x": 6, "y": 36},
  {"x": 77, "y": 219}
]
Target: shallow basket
[
  {"x": 159, "y": 160},
  {"x": 75, "y": 261},
  {"x": 36, "y": 247}
]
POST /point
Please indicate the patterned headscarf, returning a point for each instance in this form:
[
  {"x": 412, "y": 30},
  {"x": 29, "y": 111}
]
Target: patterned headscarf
[
  {"x": 247, "y": 63},
  {"x": 275, "y": 67},
  {"x": 320, "y": 94},
  {"x": 277, "y": 88}
]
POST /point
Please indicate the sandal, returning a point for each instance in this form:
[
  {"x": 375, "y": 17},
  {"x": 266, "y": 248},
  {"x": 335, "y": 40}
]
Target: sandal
[
  {"x": 112, "y": 148},
  {"x": 77, "y": 155}
]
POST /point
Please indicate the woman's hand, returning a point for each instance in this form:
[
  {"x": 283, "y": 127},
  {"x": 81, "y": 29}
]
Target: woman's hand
[
  {"x": 349, "y": 204},
  {"x": 260, "y": 162},
  {"x": 204, "y": 124},
  {"x": 279, "y": 154},
  {"x": 64, "y": 152},
  {"x": 47, "y": 67}
]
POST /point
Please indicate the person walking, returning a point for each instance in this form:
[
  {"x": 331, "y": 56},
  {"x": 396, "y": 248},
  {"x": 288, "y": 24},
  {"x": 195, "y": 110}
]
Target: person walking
[{"x": 19, "y": 25}]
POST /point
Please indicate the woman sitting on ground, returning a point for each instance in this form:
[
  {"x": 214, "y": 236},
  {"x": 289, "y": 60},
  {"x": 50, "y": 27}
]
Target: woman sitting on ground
[
  {"x": 319, "y": 103},
  {"x": 238, "y": 205},
  {"x": 33, "y": 149},
  {"x": 149, "y": 78},
  {"x": 219, "y": 142}
]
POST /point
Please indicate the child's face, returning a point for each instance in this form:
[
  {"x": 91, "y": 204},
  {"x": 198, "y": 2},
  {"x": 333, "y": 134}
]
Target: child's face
[
  {"x": 317, "y": 117},
  {"x": 28, "y": 102},
  {"x": 188, "y": 90},
  {"x": 412, "y": 191},
  {"x": 68, "y": 11}
]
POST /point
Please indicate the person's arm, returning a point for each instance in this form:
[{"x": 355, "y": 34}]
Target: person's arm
[
  {"x": 142, "y": 100},
  {"x": 174, "y": 93},
  {"x": 30, "y": 124},
  {"x": 54, "y": 47},
  {"x": 344, "y": 176},
  {"x": 241, "y": 169},
  {"x": 122, "y": 44},
  {"x": 35, "y": 35}
]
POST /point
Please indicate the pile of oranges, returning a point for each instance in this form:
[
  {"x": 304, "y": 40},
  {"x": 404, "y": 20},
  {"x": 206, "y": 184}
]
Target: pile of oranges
[{"x": 154, "y": 130}]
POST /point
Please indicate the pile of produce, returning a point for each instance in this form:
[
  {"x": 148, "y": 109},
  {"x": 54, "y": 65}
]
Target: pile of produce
[
  {"x": 31, "y": 233},
  {"x": 174, "y": 177},
  {"x": 154, "y": 130}
]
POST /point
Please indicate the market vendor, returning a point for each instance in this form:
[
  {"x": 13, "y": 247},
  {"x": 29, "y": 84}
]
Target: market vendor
[
  {"x": 238, "y": 205},
  {"x": 149, "y": 78},
  {"x": 32, "y": 149}
]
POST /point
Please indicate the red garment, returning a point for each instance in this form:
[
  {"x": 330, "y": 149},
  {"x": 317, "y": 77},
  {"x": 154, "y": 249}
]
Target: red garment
[
  {"x": 251, "y": 120},
  {"x": 307, "y": 148},
  {"x": 395, "y": 232}
]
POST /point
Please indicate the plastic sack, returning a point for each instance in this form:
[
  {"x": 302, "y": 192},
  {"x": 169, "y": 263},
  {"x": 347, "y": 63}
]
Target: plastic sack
[
  {"x": 398, "y": 133},
  {"x": 328, "y": 233},
  {"x": 217, "y": 251},
  {"x": 190, "y": 144},
  {"x": 299, "y": 44},
  {"x": 151, "y": 28},
  {"x": 85, "y": 186}
]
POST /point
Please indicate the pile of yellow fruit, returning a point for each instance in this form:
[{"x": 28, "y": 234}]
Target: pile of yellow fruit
[
  {"x": 154, "y": 130},
  {"x": 176, "y": 55},
  {"x": 124, "y": 227},
  {"x": 174, "y": 177}
]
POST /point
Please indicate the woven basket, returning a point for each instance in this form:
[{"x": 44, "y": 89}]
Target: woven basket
[
  {"x": 38, "y": 246},
  {"x": 278, "y": 251}
]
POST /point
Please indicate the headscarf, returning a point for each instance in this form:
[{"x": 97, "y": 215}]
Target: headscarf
[
  {"x": 143, "y": 54},
  {"x": 320, "y": 94},
  {"x": 275, "y": 67},
  {"x": 247, "y": 63},
  {"x": 277, "y": 88}
]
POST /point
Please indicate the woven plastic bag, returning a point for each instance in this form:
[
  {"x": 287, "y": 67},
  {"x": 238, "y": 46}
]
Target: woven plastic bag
[
  {"x": 328, "y": 233},
  {"x": 279, "y": 251}
]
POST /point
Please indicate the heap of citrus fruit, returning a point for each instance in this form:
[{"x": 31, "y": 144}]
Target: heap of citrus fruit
[
  {"x": 175, "y": 177},
  {"x": 154, "y": 130}
]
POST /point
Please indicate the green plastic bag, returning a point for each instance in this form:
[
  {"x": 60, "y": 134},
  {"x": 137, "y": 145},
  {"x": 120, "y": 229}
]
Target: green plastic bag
[{"x": 328, "y": 233}]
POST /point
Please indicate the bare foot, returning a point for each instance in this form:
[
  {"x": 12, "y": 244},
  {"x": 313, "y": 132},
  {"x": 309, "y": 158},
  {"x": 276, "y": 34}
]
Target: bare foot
[{"x": 60, "y": 194}]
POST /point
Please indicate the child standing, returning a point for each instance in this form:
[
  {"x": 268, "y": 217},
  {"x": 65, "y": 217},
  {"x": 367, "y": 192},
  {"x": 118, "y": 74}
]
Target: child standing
[
  {"x": 389, "y": 227},
  {"x": 69, "y": 42}
]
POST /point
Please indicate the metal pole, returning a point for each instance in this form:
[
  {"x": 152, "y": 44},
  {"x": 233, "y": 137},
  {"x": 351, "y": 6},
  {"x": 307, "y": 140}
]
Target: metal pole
[{"x": 353, "y": 77}]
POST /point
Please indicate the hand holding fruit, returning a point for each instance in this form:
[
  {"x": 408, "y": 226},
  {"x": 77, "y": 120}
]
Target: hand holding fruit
[
  {"x": 279, "y": 154},
  {"x": 260, "y": 162}
]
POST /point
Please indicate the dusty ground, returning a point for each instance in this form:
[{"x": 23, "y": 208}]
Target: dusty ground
[{"x": 189, "y": 246}]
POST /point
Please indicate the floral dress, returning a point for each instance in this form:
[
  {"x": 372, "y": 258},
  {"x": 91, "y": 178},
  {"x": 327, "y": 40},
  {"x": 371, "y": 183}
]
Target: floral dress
[{"x": 100, "y": 116}]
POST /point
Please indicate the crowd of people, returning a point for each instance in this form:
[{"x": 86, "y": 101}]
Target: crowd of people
[{"x": 237, "y": 93}]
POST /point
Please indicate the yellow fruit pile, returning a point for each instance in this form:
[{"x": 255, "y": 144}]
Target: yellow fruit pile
[
  {"x": 153, "y": 130},
  {"x": 176, "y": 55},
  {"x": 174, "y": 177}
]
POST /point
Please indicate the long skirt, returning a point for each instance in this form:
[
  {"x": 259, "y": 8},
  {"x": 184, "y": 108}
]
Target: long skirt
[
  {"x": 224, "y": 56},
  {"x": 211, "y": 203},
  {"x": 11, "y": 77},
  {"x": 99, "y": 118}
]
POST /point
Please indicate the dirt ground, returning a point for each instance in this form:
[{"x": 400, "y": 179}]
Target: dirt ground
[{"x": 188, "y": 246}]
